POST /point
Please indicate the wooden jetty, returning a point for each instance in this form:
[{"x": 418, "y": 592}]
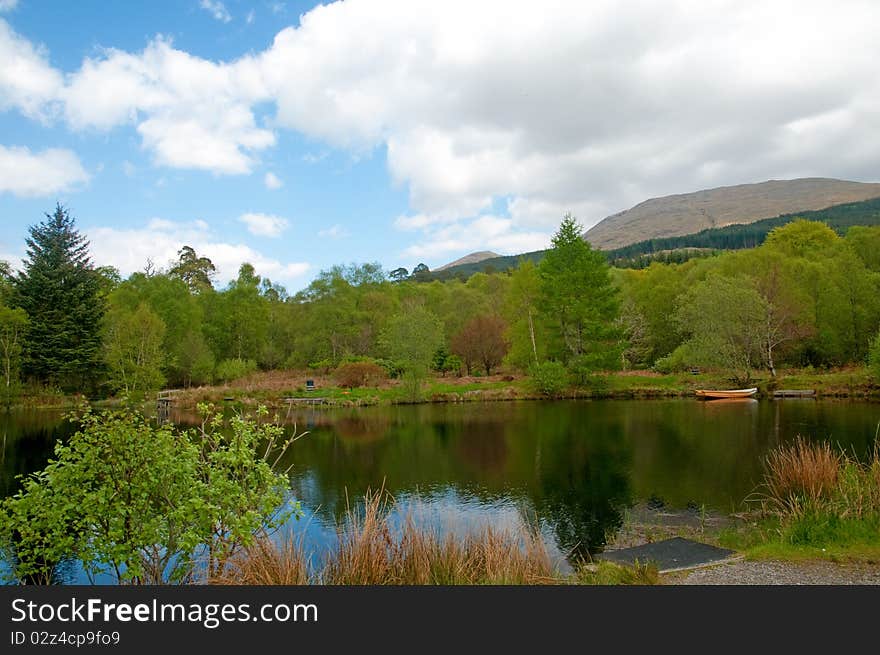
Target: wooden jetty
[
  {"x": 164, "y": 400},
  {"x": 794, "y": 393},
  {"x": 312, "y": 400}
]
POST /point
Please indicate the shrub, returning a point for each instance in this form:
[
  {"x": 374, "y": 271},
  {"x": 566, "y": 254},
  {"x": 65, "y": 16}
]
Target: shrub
[
  {"x": 233, "y": 369},
  {"x": 150, "y": 505},
  {"x": 392, "y": 369},
  {"x": 549, "y": 378},
  {"x": 583, "y": 374},
  {"x": 359, "y": 374},
  {"x": 675, "y": 362}
]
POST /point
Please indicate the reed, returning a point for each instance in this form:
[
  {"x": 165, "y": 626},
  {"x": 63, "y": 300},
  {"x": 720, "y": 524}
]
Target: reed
[
  {"x": 802, "y": 477},
  {"x": 372, "y": 549},
  {"x": 266, "y": 562}
]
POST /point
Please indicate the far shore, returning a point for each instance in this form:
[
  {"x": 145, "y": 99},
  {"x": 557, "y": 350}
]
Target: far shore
[{"x": 277, "y": 389}]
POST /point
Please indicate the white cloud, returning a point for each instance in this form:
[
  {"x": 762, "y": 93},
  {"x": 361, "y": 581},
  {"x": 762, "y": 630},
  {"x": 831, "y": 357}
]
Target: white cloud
[
  {"x": 190, "y": 112},
  {"x": 251, "y": 15},
  {"x": 496, "y": 233},
  {"x": 8, "y": 5},
  {"x": 217, "y": 10},
  {"x": 264, "y": 225},
  {"x": 27, "y": 80},
  {"x": 160, "y": 240},
  {"x": 334, "y": 232},
  {"x": 24, "y": 173},
  {"x": 587, "y": 107},
  {"x": 128, "y": 168},
  {"x": 272, "y": 181}
]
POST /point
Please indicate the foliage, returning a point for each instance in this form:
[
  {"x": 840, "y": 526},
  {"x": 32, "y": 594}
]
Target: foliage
[
  {"x": 549, "y": 378},
  {"x": 234, "y": 369},
  {"x": 481, "y": 342},
  {"x": 526, "y": 333},
  {"x": 722, "y": 317},
  {"x": 196, "y": 272},
  {"x": 60, "y": 291},
  {"x": 147, "y": 504},
  {"x": 359, "y": 374},
  {"x": 874, "y": 359},
  {"x": 412, "y": 337},
  {"x": 133, "y": 349},
  {"x": 577, "y": 296},
  {"x": 13, "y": 326}
]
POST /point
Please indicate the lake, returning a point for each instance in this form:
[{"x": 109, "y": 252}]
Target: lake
[{"x": 571, "y": 468}]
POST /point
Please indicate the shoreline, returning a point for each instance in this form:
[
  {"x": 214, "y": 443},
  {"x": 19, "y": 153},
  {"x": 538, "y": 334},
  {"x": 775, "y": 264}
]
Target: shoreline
[{"x": 279, "y": 389}]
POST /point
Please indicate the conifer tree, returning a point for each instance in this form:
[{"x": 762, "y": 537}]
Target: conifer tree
[{"x": 61, "y": 293}]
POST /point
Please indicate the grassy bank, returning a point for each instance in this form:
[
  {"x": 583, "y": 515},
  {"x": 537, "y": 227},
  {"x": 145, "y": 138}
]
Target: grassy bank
[
  {"x": 275, "y": 387},
  {"x": 816, "y": 502}
]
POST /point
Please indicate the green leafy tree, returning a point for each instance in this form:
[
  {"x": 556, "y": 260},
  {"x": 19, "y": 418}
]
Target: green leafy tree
[
  {"x": 196, "y": 272},
  {"x": 148, "y": 504},
  {"x": 577, "y": 296},
  {"x": 13, "y": 326},
  {"x": 184, "y": 347},
  {"x": 865, "y": 241},
  {"x": 133, "y": 349},
  {"x": 522, "y": 307},
  {"x": 399, "y": 274},
  {"x": 410, "y": 339},
  {"x": 723, "y": 319},
  {"x": 61, "y": 293}
]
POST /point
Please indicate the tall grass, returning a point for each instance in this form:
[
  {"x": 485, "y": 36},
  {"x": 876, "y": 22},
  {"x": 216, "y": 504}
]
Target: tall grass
[
  {"x": 802, "y": 476},
  {"x": 823, "y": 496},
  {"x": 371, "y": 551},
  {"x": 374, "y": 550},
  {"x": 265, "y": 562}
]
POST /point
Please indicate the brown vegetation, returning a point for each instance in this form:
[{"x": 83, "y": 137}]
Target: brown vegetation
[{"x": 359, "y": 374}]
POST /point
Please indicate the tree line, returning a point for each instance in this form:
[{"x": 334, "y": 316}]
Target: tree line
[{"x": 806, "y": 296}]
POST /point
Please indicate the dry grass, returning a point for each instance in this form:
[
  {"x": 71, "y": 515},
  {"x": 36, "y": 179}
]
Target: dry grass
[
  {"x": 267, "y": 563},
  {"x": 374, "y": 551},
  {"x": 370, "y": 551},
  {"x": 802, "y": 476},
  {"x": 814, "y": 478}
]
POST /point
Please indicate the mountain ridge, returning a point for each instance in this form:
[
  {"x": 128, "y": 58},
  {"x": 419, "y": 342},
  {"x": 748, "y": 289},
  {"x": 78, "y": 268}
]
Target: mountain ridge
[{"x": 687, "y": 213}]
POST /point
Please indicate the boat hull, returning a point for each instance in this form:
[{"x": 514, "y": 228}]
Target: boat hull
[{"x": 726, "y": 393}]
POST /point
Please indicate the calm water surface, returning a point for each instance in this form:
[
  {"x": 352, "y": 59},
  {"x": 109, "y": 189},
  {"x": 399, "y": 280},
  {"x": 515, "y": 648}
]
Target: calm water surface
[{"x": 571, "y": 468}]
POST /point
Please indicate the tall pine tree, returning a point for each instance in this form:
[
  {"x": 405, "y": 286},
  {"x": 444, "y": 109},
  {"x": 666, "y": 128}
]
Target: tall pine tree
[
  {"x": 60, "y": 291},
  {"x": 578, "y": 298}
]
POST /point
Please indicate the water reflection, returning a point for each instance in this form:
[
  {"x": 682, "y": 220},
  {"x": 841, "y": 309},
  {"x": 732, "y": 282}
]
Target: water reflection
[{"x": 570, "y": 469}]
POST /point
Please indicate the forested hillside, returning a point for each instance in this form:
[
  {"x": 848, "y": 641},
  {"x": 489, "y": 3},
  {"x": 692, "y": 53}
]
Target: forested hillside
[
  {"x": 805, "y": 296},
  {"x": 680, "y": 249}
]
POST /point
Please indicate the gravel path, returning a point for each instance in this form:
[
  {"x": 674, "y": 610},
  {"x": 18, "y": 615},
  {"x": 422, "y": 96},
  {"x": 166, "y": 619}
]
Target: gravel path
[{"x": 779, "y": 573}]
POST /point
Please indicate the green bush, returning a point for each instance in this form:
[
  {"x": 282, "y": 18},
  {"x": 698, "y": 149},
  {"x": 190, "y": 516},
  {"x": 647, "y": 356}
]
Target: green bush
[
  {"x": 548, "y": 378},
  {"x": 874, "y": 359},
  {"x": 148, "y": 504},
  {"x": 675, "y": 362},
  {"x": 392, "y": 369},
  {"x": 583, "y": 373},
  {"x": 233, "y": 369}
]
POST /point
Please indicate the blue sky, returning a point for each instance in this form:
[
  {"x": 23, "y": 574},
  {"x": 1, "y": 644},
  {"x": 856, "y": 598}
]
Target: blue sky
[{"x": 297, "y": 136}]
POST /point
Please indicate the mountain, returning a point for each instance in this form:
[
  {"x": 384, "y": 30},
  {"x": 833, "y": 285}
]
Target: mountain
[
  {"x": 473, "y": 258},
  {"x": 705, "y": 242},
  {"x": 688, "y": 213}
]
